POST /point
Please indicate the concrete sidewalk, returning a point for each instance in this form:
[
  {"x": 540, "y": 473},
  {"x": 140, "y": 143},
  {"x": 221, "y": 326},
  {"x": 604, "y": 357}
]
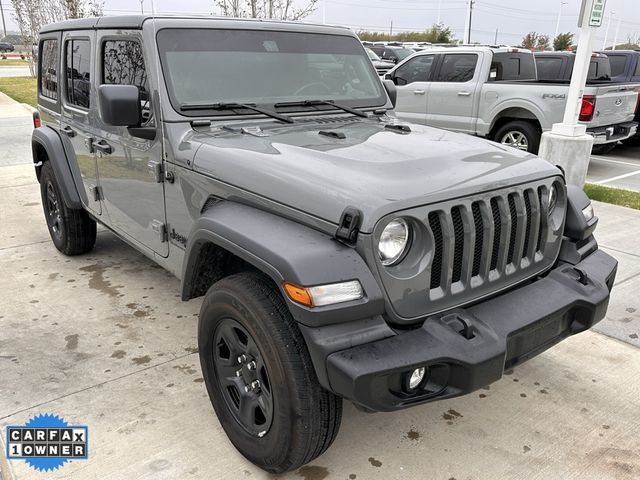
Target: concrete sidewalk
[
  {"x": 16, "y": 125},
  {"x": 104, "y": 340}
]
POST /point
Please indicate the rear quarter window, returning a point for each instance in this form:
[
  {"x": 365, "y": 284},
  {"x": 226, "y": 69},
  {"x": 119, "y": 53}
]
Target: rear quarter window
[
  {"x": 549, "y": 68},
  {"x": 49, "y": 62},
  {"x": 512, "y": 66},
  {"x": 618, "y": 63}
]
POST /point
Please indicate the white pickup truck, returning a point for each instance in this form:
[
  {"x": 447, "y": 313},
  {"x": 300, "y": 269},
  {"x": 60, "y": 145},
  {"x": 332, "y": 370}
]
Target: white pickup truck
[{"x": 493, "y": 92}]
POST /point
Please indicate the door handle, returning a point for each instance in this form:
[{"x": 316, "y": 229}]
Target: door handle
[
  {"x": 103, "y": 147},
  {"x": 69, "y": 132},
  {"x": 419, "y": 92},
  {"x": 464, "y": 94}
]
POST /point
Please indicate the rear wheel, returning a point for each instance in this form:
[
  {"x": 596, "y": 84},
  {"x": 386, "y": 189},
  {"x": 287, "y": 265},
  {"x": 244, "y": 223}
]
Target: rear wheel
[
  {"x": 260, "y": 378},
  {"x": 519, "y": 134},
  {"x": 73, "y": 232},
  {"x": 604, "y": 148}
]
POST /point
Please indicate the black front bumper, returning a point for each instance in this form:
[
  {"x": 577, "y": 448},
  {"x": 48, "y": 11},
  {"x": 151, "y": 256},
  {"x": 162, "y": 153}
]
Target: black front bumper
[{"x": 500, "y": 333}]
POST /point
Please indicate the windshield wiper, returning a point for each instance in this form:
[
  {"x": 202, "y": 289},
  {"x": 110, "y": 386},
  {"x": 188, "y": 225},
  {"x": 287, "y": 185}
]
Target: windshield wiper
[
  {"x": 331, "y": 103},
  {"x": 235, "y": 106}
]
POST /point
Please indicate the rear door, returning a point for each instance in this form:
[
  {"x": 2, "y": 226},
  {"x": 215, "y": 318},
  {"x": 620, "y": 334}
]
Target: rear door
[
  {"x": 129, "y": 166},
  {"x": 77, "y": 112},
  {"x": 452, "y": 95},
  {"x": 413, "y": 79}
]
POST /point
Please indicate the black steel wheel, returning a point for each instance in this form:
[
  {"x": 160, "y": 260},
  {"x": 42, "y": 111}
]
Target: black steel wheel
[
  {"x": 242, "y": 377},
  {"x": 259, "y": 375},
  {"x": 72, "y": 231}
]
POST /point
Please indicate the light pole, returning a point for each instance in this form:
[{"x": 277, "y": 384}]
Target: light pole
[
  {"x": 606, "y": 32},
  {"x": 615, "y": 39},
  {"x": 142, "y": 7},
  {"x": 439, "y": 9},
  {"x": 467, "y": 29},
  {"x": 559, "y": 17}
]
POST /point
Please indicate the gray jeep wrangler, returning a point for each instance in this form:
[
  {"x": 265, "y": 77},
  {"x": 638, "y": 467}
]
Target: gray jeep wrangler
[{"x": 341, "y": 254}]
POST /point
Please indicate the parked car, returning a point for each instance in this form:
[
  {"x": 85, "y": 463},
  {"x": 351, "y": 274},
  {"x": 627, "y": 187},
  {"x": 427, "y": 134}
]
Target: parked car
[
  {"x": 381, "y": 66},
  {"x": 340, "y": 253},
  {"x": 6, "y": 47},
  {"x": 493, "y": 92},
  {"x": 392, "y": 53},
  {"x": 625, "y": 67},
  {"x": 558, "y": 67}
]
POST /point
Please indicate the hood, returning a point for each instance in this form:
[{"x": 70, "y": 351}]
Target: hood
[{"x": 373, "y": 169}]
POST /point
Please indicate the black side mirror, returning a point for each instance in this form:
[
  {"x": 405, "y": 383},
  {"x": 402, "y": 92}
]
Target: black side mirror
[
  {"x": 390, "y": 87},
  {"x": 120, "y": 105}
]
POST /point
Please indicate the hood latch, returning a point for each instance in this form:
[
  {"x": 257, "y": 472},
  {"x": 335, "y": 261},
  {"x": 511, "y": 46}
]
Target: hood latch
[{"x": 349, "y": 225}]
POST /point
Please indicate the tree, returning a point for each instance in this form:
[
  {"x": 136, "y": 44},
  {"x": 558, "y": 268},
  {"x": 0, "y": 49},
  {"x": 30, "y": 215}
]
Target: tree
[
  {"x": 277, "y": 9},
  {"x": 536, "y": 41},
  {"x": 438, "y": 33},
  {"x": 32, "y": 15},
  {"x": 563, "y": 42}
]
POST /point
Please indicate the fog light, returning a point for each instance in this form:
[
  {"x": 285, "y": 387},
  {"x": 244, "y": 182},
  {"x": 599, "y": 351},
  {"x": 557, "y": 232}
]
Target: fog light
[{"x": 416, "y": 378}]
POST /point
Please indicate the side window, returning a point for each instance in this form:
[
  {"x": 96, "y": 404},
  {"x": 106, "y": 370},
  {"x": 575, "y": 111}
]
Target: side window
[
  {"x": 123, "y": 64},
  {"x": 417, "y": 69},
  {"x": 618, "y": 63},
  {"x": 549, "y": 68},
  {"x": 457, "y": 67},
  {"x": 78, "y": 66},
  {"x": 49, "y": 69},
  {"x": 637, "y": 74}
]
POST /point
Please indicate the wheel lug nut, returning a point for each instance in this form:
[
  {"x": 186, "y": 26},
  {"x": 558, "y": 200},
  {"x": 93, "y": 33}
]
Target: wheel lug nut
[
  {"x": 255, "y": 385},
  {"x": 242, "y": 358},
  {"x": 251, "y": 365},
  {"x": 247, "y": 388},
  {"x": 239, "y": 373}
]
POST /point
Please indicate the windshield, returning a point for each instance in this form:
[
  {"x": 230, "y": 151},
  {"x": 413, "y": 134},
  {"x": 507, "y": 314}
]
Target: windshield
[
  {"x": 260, "y": 67},
  {"x": 372, "y": 55},
  {"x": 403, "y": 53}
]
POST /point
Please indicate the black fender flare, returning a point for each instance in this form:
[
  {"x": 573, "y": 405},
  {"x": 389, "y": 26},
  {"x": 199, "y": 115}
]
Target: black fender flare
[
  {"x": 50, "y": 141},
  {"x": 285, "y": 251}
]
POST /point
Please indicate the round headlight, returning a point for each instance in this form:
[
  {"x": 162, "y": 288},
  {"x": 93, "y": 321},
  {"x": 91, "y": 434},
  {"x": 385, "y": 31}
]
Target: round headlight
[
  {"x": 553, "y": 199},
  {"x": 393, "y": 242}
]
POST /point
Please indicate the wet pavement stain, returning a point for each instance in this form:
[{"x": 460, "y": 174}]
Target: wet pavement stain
[
  {"x": 523, "y": 395},
  {"x": 633, "y": 336},
  {"x": 98, "y": 282},
  {"x": 53, "y": 276},
  {"x": 374, "y": 462},
  {"x": 451, "y": 414},
  {"x": 352, "y": 476},
  {"x": 186, "y": 369},
  {"x": 526, "y": 449},
  {"x": 72, "y": 341},
  {"x": 141, "y": 360},
  {"x": 118, "y": 354},
  {"x": 191, "y": 349},
  {"x": 313, "y": 472},
  {"x": 413, "y": 435},
  {"x": 199, "y": 380},
  {"x": 482, "y": 395},
  {"x": 631, "y": 310},
  {"x": 544, "y": 391}
]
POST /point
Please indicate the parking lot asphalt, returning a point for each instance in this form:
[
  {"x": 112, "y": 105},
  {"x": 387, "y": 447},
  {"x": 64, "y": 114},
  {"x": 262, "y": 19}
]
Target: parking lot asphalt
[
  {"x": 620, "y": 169},
  {"x": 103, "y": 340}
]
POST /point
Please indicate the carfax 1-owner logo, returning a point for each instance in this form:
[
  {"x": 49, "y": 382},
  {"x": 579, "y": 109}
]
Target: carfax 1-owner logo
[{"x": 46, "y": 442}]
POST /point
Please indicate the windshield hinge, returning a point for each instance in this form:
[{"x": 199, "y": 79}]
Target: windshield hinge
[{"x": 349, "y": 225}]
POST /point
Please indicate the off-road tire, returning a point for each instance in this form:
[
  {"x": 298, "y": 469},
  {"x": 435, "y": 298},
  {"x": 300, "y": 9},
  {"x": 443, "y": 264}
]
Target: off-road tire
[
  {"x": 72, "y": 231},
  {"x": 604, "y": 149},
  {"x": 306, "y": 417},
  {"x": 528, "y": 129}
]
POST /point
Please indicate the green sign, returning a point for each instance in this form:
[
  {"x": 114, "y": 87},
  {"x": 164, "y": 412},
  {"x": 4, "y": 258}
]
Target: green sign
[{"x": 597, "y": 13}]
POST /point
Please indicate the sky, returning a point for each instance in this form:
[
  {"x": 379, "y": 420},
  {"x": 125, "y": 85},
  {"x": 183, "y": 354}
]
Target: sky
[{"x": 512, "y": 18}]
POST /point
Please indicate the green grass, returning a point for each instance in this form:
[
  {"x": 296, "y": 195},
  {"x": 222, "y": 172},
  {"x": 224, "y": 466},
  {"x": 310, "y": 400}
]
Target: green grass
[
  {"x": 616, "y": 196},
  {"x": 21, "y": 89},
  {"x": 13, "y": 62}
]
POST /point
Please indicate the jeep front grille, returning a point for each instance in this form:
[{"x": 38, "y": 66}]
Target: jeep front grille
[{"x": 474, "y": 246}]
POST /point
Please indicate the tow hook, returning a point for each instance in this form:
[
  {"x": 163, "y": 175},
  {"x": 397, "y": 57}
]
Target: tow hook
[{"x": 583, "y": 278}]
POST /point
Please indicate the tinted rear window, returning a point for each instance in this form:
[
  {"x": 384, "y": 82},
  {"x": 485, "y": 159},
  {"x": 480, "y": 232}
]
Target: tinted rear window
[
  {"x": 637, "y": 74},
  {"x": 512, "y": 66},
  {"x": 549, "y": 68},
  {"x": 78, "y": 66},
  {"x": 618, "y": 63}
]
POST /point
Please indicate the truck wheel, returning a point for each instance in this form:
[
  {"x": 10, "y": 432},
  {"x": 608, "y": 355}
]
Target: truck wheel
[
  {"x": 260, "y": 378},
  {"x": 603, "y": 149},
  {"x": 519, "y": 134},
  {"x": 73, "y": 232}
]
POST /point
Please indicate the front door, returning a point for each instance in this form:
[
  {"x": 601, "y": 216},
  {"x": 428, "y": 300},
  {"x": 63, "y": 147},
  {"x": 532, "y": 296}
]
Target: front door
[
  {"x": 412, "y": 80},
  {"x": 454, "y": 91},
  {"x": 130, "y": 167},
  {"x": 75, "y": 122}
]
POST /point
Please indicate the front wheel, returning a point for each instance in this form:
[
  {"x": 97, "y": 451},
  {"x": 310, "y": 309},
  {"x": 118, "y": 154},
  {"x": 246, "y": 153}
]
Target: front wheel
[
  {"x": 260, "y": 378},
  {"x": 519, "y": 134}
]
